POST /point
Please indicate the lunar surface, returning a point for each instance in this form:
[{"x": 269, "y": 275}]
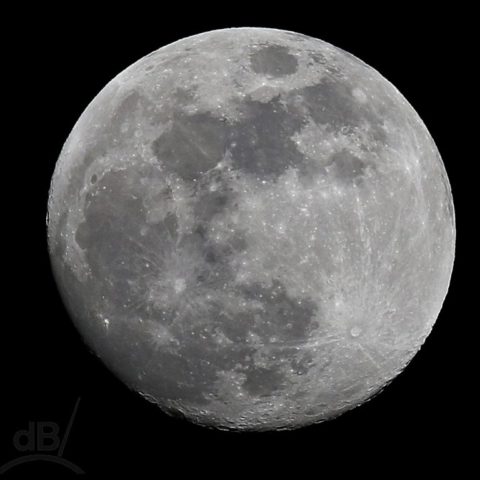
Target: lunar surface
[{"x": 252, "y": 228}]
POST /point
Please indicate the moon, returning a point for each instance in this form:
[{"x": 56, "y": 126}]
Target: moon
[{"x": 252, "y": 228}]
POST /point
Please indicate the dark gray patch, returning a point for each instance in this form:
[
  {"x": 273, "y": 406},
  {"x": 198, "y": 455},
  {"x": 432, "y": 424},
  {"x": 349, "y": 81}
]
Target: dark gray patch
[
  {"x": 213, "y": 195},
  {"x": 114, "y": 214},
  {"x": 168, "y": 226},
  {"x": 303, "y": 364},
  {"x": 263, "y": 381},
  {"x": 347, "y": 167},
  {"x": 238, "y": 242},
  {"x": 184, "y": 96},
  {"x": 286, "y": 318},
  {"x": 161, "y": 197},
  {"x": 235, "y": 327},
  {"x": 180, "y": 375},
  {"x": 185, "y": 371},
  {"x": 309, "y": 170},
  {"x": 122, "y": 115},
  {"x": 216, "y": 271},
  {"x": 331, "y": 103},
  {"x": 108, "y": 135},
  {"x": 108, "y": 202},
  {"x": 193, "y": 145},
  {"x": 263, "y": 146},
  {"x": 273, "y": 60},
  {"x": 110, "y": 207},
  {"x": 259, "y": 145},
  {"x": 189, "y": 370}
]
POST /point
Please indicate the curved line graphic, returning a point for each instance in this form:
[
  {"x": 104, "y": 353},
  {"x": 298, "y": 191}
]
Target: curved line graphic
[{"x": 46, "y": 458}]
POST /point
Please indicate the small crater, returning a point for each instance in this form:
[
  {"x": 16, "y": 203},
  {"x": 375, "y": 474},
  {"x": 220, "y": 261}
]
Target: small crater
[
  {"x": 355, "y": 332},
  {"x": 273, "y": 60},
  {"x": 93, "y": 179}
]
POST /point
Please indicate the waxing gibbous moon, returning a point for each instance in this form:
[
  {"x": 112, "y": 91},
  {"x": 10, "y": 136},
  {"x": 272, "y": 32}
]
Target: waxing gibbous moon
[{"x": 252, "y": 228}]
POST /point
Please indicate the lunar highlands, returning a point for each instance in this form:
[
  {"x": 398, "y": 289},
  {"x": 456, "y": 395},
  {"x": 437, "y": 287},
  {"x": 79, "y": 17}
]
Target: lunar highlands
[{"x": 252, "y": 228}]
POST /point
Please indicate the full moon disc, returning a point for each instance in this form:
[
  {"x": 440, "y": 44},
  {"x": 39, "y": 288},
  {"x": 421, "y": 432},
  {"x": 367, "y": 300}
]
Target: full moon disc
[{"x": 252, "y": 228}]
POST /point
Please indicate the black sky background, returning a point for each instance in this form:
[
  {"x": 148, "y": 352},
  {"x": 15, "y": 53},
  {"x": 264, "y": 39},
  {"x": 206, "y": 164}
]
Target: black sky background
[{"x": 55, "y": 62}]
